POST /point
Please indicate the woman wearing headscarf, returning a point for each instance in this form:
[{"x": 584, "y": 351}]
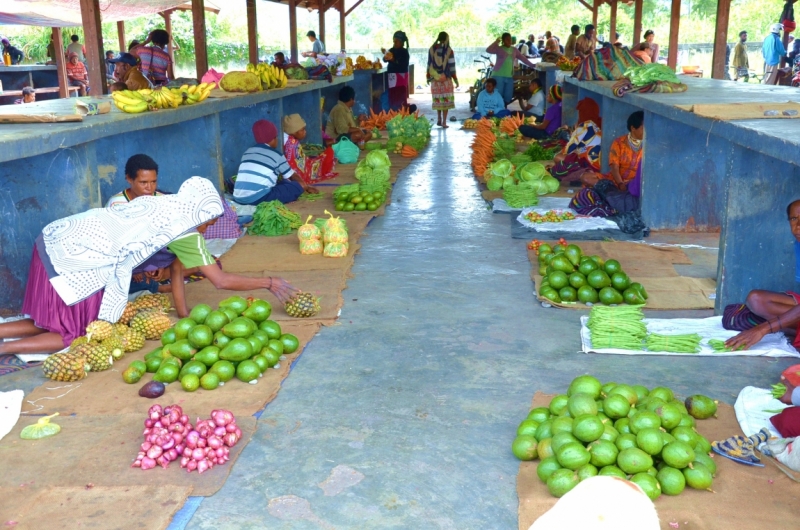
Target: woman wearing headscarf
[
  {"x": 552, "y": 51},
  {"x": 310, "y": 169},
  {"x": 582, "y": 152},
  {"x": 552, "y": 118},
  {"x": 397, "y": 58},
  {"x": 441, "y": 75},
  {"x": 82, "y": 265}
]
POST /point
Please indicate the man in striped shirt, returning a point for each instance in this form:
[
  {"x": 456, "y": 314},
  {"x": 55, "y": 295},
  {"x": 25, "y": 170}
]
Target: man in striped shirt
[{"x": 264, "y": 174}]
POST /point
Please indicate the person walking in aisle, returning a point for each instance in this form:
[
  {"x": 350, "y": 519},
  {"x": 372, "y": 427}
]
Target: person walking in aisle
[
  {"x": 740, "y": 64},
  {"x": 441, "y": 75}
]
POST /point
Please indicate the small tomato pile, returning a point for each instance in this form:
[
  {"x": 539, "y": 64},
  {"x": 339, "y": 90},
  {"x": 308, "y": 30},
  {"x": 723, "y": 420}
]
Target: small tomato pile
[
  {"x": 535, "y": 244},
  {"x": 551, "y": 216}
]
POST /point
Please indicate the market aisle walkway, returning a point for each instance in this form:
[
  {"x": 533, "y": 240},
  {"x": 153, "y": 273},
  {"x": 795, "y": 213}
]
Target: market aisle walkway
[{"x": 402, "y": 415}]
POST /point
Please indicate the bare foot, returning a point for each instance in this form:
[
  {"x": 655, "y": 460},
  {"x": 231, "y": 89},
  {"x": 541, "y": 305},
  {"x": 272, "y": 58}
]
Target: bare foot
[{"x": 445, "y": 126}]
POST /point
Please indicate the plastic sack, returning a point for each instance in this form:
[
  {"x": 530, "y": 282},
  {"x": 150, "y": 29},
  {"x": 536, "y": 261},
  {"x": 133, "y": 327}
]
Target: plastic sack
[
  {"x": 212, "y": 76},
  {"x": 346, "y": 151}
]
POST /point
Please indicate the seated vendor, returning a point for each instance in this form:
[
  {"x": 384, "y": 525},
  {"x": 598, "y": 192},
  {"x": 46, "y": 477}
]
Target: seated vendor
[
  {"x": 490, "y": 102},
  {"x": 77, "y": 276},
  {"x": 552, "y": 118},
  {"x": 582, "y": 152},
  {"x": 534, "y": 106},
  {"x": 141, "y": 172},
  {"x": 310, "y": 169},
  {"x": 768, "y": 311},
  {"x": 643, "y": 52},
  {"x": 28, "y": 96},
  {"x": 127, "y": 71},
  {"x": 77, "y": 74},
  {"x": 623, "y": 157},
  {"x": 341, "y": 121},
  {"x": 264, "y": 173},
  {"x": 280, "y": 60}
]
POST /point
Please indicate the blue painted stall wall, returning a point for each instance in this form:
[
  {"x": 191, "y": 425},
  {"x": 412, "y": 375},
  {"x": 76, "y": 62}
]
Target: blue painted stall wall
[
  {"x": 236, "y": 131},
  {"x": 689, "y": 192},
  {"x": 34, "y": 192},
  {"x": 756, "y": 244}
]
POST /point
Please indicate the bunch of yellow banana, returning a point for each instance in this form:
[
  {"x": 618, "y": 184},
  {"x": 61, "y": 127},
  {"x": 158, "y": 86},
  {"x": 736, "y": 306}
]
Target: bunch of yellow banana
[
  {"x": 189, "y": 95},
  {"x": 271, "y": 76},
  {"x": 132, "y": 101},
  {"x": 164, "y": 98}
]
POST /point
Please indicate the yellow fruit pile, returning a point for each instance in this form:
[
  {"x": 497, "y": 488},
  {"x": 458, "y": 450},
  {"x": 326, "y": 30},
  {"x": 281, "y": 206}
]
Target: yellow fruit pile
[
  {"x": 470, "y": 124},
  {"x": 271, "y": 76},
  {"x": 136, "y": 101}
]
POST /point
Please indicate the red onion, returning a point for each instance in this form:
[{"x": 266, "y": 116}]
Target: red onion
[
  {"x": 187, "y": 451},
  {"x": 137, "y": 463},
  {"x": 185, "y": 419},
  {"x": 158, "y": 425},
  {"x": 231, "y": 427},
  {"x": 180, "y": 448},
  {"x": 230, "y": 439},
  {"x": 222, "y": 417},
  {"x": 148, "y": 423},
  {"x": 198, "y": 454},
  {"x": 154, "y": 452},
  {"x": 145, "y": 446},
  {"x": 202, "y": 466},
  {"x": 169, "y": 444},
  {"x": 214, "y": 442},
  {"x": 148, "y": 463},
  {"x": 155, "y": 409},
  {"x": 220, "y": 431},
  {"x": 172, "y": 454},
  {"x": 219, "y": 452},
  {"x": 192, "y": 439},
  {"x": 175, "y": 414},
  {"x": 178, "y": 437},
  {"x": 163, "y": 461},
  {"x": 165, "y": 421},
  {"x": 191, "y": 466},
  {"x": 184, "y": 461},
  {"x": 201, "y": 443},
  {"x": 238, "y": 432}
]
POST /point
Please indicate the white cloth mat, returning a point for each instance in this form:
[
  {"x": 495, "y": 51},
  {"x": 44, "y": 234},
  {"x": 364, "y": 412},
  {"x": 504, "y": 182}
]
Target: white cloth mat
[
  {"x": 548, "y": 203},
  {"x": 10, "y": 406},
  {"x": 750, "y": 406},
  {"x": 579, "y": 224},
  {"x": 772, "y": 345}
]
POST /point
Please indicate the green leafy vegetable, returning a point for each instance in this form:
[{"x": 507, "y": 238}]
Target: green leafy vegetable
[
  {"x": 650, "y": 73},
  {"x": 494, "y": 183},
  {"x": 532, "y": 171},
  {"x": 274, "y": 219},
  {"x": 537, "y": 152}
]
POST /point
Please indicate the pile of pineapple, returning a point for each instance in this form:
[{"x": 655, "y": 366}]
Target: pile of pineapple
[{"x": 144, "y": 319}]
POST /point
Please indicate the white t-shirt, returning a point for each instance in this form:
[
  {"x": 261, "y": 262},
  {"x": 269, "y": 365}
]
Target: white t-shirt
[{"x": 537, "y": 100}]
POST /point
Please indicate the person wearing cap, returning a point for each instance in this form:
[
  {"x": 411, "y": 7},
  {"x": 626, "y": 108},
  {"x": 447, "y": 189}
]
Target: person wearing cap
[
  {"x": 397, "y": 58},
  {"x": 264, "y": 173},
  {"x": 317, "y": 48},
  {"x": 772, "y": 49},
  {"x": 310, "y": 169},
  {"x": 15, "y": 53},
  {"x": 341, "y": 121},
  {"x": 552, "y": 117},
  {"x": 127, "y": 71},
  {"x": 77, "y": 74},
  {"x": 740, "y": 63},
  {"x": 764, "y": 311}
]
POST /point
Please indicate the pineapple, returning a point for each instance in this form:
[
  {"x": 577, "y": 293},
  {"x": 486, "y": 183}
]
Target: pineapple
[
  {"x": 132, "y": 340},
  {"x": 151, "y": 323},
  {"x": 96, "y": 356},
  {"x": 66, "y": 367},
  {"x": 153, "y": 301},
  {"x": 99, "y": 330},
  {"x": 112, "y": 343},
  {"x": 83, "y": 339},
  {"x": 302, "y": 305},
  {"x": 120, "y": 329},
  {"x": 128, "y": 313}
]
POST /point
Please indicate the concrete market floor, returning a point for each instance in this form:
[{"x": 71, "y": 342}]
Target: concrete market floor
[{"x": 402, "y": 414}]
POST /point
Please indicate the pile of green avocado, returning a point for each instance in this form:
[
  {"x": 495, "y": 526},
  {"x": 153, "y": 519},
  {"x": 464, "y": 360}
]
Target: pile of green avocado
[
  {"x": 645, "y": 436},
  {"x": 569, "y": 276}
]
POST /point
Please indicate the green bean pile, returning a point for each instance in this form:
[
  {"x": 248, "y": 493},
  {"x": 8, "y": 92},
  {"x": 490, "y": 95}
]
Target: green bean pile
[
  {"x": 619, "y": 327},
  {"x": 274, "y": 219},
  {"x": 520, "y": 196},
  {"x": 719, "y": 346},
  {"x": 674, "y": 343},
  {"x": 310, "y": 196}
]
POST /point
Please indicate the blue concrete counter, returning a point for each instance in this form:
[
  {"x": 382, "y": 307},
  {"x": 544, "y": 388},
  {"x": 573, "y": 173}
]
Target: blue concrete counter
[
  {"x": 704, "y": 174},
  {"x": 52, "y": 170}
]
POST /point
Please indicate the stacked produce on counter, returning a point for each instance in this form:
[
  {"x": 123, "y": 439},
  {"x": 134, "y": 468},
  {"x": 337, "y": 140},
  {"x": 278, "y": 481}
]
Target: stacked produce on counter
[
  {"x": 569, "y": 276},
  {"x": 169, "y": 435},
  {"x": 270, "y": 76},
  {"x": 137, "y": 101},
  {"x": 211, "y": 347},
  {"x": 645, "y": 436}
]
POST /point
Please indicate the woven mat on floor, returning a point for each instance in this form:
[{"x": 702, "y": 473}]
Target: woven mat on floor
[
  {"x": 653, "y": 268},
  {"x": 744, "y": 497}
]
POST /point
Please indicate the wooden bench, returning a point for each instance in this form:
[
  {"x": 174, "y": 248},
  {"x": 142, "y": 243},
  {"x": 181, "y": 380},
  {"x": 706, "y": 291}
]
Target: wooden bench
[{"x": 48, "y": 90}]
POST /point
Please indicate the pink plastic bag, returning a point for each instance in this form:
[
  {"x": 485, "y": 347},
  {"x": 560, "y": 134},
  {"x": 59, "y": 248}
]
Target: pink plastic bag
[{"x": 212, "y": 76}]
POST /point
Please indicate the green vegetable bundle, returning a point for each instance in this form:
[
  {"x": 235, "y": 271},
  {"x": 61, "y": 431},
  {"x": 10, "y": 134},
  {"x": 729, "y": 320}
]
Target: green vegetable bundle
[
  {"x": 310, "y": 196},
  {"x": 504, "y": 148},
  {"x": 537, "y": 152},
  {"x": 674, "y": 343},
  {"x": 274, "y": 219},
  {"x": 520, "y": 159},
  {"x": 619, "y": 327},
  {"x": 719, "y": 346},
  {"x": 650, "y": 73},
  {"x": 519, "y": 196}
]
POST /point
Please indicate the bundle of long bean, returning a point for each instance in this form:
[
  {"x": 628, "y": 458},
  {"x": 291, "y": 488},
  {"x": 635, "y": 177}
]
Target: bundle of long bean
[
  {"x": 619, "y": 327},
  {"x": 674, "y": 343},
  {"x": 778, "y": 390},
  {"x": 274, "y": 219},
  {"x": 518, "y": 196},
  {"x": 719, "y": 346},
  {"x": 310, "y": 196}
]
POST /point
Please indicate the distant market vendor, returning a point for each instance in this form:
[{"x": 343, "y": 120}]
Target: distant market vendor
[
  {"x": 341, "y": 121},
  {"x": 155, "y": 63},
  {"x": 397, "y": 59},
  {"x": 767, "y": 311},
  {"x": 77, "y": 74},
  {"x": 504, "y": 66},
  {"x": 126, "y": 70},
  {"x": 15, "y": 54},
  {"x": 310, "y": 169},
  {"x": 264, "y": 173},
  {"x": 552, "y": 118},
  {"x": 490, "y": 102},
  {"x": 81, "y": 265}
]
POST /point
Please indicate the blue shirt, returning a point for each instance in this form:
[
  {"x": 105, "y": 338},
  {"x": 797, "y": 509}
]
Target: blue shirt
[
  {"x": 772, "y": 49},
  {"x": 490, "y": 102},
  {"x": 259, "y": 171}
]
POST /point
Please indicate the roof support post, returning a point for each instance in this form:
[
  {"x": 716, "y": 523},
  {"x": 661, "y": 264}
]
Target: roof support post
[
  {"x": 721, "y": 39},
  {"x": 674, "y": 30},
  {"x": 121, "y": 36},
  {"x": 293, "y": 30},
  {"x": 342, "y": 25},
  {"x": 637, "y": 22},
  {"x": 321, "y": 35},
  {"x": 168, "y": 27},
  {"x": 200, "y": 51},
  {"x": 61, "y": 63},
  {"x": 612, "y": 37},
  {"x": 252, "y": 31},
  {"x": 594, "y": 13},
  {"x": 93, "y": 39}
]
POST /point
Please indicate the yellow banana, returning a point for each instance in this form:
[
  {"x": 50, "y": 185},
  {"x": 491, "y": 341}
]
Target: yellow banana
[
  {"x": 145, "y": 91},
  {"x": 124, "y": 99},
  {"x": 206, "y": 92},
  {"x": 132, "y": 109},
  {"x": 192, "y": 89}
]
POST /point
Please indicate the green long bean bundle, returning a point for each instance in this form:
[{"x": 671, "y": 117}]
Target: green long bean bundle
[
  {"x": 719, "y": 346},
  {"x": 310, "y": 196},
  {"x": 778, "y": 390},
  {"x": 618, "y": 327},
  {"x": 674, "y": 343},
  {"x": 274, "y": 219},
  {"x": 518, "y": 196}
]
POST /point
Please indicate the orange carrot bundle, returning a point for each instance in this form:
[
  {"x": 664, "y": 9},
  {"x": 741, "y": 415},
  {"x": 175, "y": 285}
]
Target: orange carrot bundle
[{"x": 483, "y": 147}]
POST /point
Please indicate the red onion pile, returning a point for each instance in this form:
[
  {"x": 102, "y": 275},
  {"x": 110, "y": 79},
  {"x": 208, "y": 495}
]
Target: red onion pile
[{"x": 169, "y": 435}]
